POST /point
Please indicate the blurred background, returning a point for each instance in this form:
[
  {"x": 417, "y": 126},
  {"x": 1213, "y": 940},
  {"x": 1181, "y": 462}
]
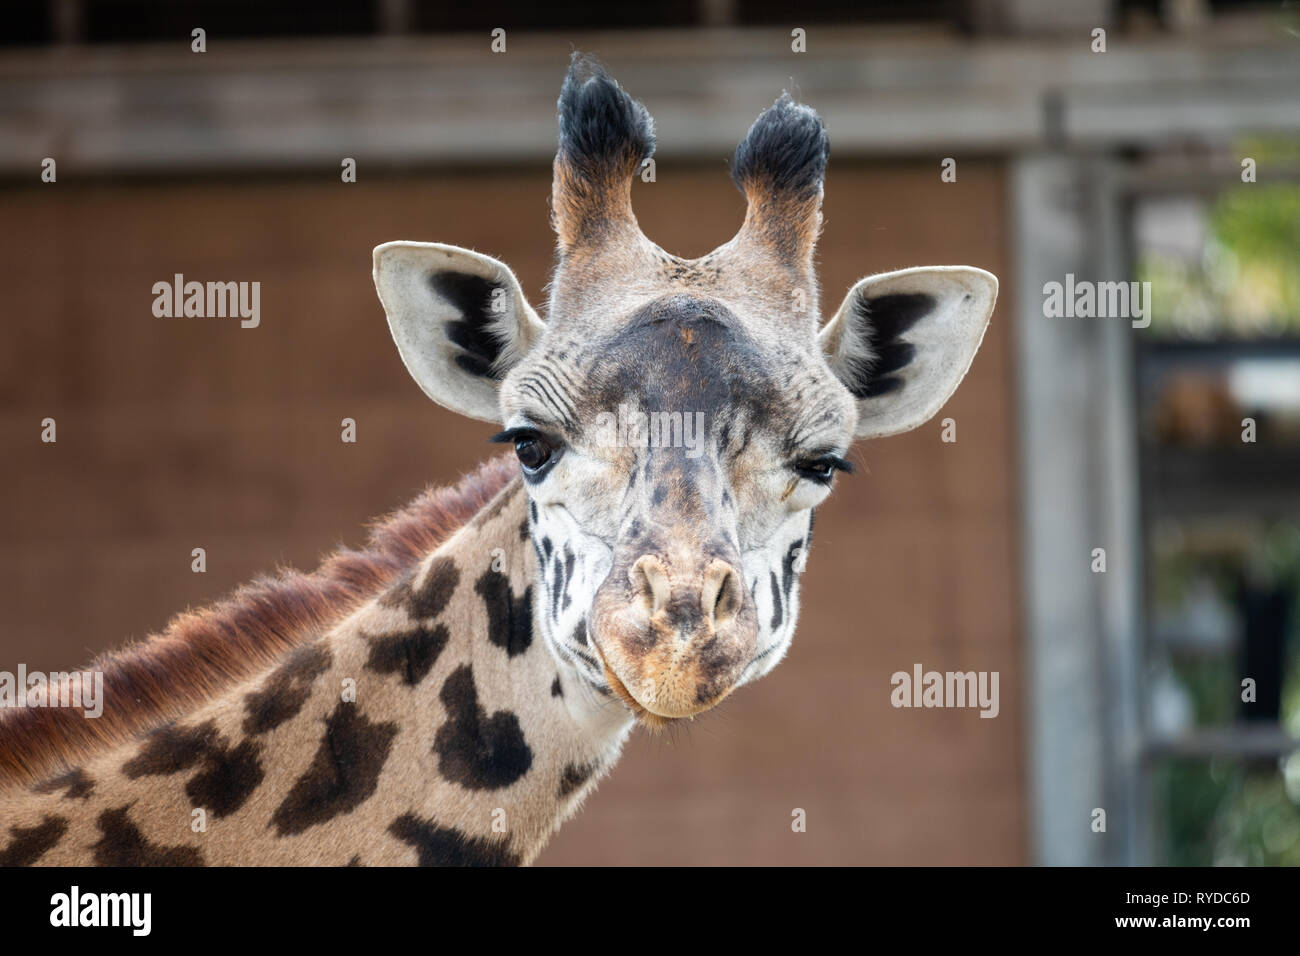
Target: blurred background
[{"x": 1173, "y": 157}]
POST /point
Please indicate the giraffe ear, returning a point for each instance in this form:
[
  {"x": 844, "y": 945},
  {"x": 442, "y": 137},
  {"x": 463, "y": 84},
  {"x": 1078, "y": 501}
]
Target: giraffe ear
[
  {"x": 902, "y": 342},
  {"x": 459, "y": 319}
]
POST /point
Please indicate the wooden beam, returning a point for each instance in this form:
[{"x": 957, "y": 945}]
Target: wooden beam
[{"x": 399, "y": 101}]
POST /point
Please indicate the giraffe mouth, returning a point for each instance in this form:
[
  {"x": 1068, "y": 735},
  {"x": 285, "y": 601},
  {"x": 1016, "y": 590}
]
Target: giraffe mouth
[
  {"x": 647, "y": 717},
  {"x": 643, "y": 716}
]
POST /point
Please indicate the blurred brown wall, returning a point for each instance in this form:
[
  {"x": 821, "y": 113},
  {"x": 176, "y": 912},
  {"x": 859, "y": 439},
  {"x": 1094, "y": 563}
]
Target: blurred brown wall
[{"x": 181, "y": 433}]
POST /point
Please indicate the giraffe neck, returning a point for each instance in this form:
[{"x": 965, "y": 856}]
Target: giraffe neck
[{"x": 432, "y": 726}]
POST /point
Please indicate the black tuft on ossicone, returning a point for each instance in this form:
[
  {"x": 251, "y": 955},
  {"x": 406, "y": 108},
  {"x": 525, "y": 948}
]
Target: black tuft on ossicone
[
  {"x": 785, "y": 150},
  {"x": 600, "y": 125}
]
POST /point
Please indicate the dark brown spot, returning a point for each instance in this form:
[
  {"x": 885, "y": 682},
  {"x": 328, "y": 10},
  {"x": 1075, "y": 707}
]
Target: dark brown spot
[
  {"x": 170, "y": 749},
  {"x": 343, "y": 774},
  {"x": 229, "y": 775},
  {"x": 29, "y": 844},
  {"x": 474, "y": 750},
  {"x": 574, "y": 776},
  {"x": 76, "y": 784},
  {"x": 442, "y": 846},
  {"x": 569, "y": 558},
  {"x": 228, "y": 779},
  {"x": 410, "y": 653},
  {"x": 286, "y": 691},
  {"x": 778, "y": 610},
  {"x": 429, "y": 599},
  {"x": 122, "y": 844},
  {"x": 510, "y": 619}
]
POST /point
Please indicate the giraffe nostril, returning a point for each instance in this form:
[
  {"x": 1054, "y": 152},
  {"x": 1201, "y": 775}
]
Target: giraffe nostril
[
  {"x": 721, "y": 595},
  {"x": 650, "y": 583}
]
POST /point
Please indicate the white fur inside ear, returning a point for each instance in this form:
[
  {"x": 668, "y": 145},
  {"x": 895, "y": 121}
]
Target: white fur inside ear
[
  {"x": 944, "y": 340},
  {"x": 459, "y": 320}
]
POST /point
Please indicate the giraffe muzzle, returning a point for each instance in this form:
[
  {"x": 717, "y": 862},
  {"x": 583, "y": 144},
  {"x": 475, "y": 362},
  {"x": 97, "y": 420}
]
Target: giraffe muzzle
[{"x": 674, "y": 635}]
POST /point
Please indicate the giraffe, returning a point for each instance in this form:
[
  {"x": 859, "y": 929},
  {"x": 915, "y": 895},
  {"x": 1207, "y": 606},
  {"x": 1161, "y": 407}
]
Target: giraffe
[{"x": 450, "y": 693}]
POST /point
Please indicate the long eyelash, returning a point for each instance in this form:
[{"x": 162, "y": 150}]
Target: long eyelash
[
  {"x": 827, "y": 458},
  {"x": 510, "y": 434}
]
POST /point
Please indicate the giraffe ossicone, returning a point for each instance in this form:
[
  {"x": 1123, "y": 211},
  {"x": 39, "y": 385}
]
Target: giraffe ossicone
[{"x": 451, "y": 693}]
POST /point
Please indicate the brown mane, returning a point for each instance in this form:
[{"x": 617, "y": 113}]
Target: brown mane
[{"x": 201, "y": 653}]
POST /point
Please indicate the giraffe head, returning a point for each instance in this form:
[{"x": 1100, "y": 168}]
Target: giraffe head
[{"x": 677, "y": 421}]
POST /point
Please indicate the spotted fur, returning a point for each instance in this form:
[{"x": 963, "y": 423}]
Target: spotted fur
[
  {"x": 393, "y": 737},
  {"x": 205, "y": 653}
]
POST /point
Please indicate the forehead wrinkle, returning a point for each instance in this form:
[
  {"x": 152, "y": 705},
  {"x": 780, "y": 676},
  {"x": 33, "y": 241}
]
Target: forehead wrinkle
[
  {"x": 539, "y": 400},
  {"x": 561, "y": 377},
  {"x": 813, "y": 409},
  {"x": 822, "y": 421},
  {"x": 541, "y": 380},
  {"x": 816, "y": 441}
]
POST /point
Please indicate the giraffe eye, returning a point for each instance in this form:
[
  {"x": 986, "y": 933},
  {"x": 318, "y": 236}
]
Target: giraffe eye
[
  {"x": 533, "y": 451},
  {"x": 822, "y": 468}
]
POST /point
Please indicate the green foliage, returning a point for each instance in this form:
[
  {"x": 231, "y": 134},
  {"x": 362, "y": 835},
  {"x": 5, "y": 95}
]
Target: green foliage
[
  {"x": 1210, "y": 681},
  {"x": 1230, "y": 811},
  {"x": 1246, "y": 280},
  {"x": 1227, "y": 814}
]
